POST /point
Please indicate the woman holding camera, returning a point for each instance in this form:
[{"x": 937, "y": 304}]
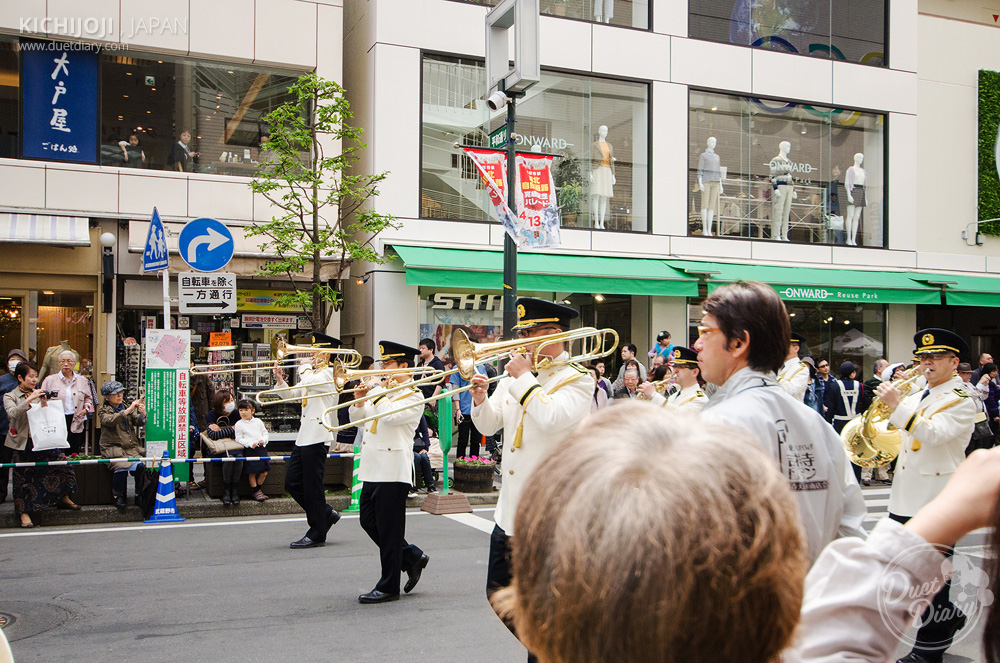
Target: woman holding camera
[
  {"x": 120, "y": 426},
  {"x": 34, "y": 487}
]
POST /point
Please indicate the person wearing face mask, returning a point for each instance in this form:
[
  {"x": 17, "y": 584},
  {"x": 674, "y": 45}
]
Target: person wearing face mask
[
  {"x": 220, "y": 426},
  {"x": 7, "y": 384}
]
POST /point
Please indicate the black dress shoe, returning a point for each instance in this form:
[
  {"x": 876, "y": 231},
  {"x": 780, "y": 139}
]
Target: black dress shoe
[
  {"x": 306, "y": 542},
  {"x": 914, "y": 657},
  {"x": 120, "y": 502},
  {"x": 413, "y": 575},
  {"x": 332, "y": 519},
  {"x": 376, "y": 596}
]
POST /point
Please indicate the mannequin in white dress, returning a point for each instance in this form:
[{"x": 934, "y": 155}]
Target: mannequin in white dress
[
  {"x": 602, "y": 178},
  {"x": 857, "y": 198}
]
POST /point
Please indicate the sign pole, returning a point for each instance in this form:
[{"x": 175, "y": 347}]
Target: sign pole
[
  {"x": 166, "y": 298},
  {"x": 509, "y": 247}
]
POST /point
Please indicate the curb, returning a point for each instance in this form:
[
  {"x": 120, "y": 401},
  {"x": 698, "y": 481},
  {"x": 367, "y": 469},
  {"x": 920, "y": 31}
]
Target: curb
[{"x": 201, "y": 507}]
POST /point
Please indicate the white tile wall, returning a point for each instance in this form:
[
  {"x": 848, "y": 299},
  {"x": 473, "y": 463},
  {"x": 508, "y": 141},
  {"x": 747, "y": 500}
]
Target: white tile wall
[
  {"x": 625, "y": 243},
  {"x": 787, "y": 76},
  {"x": 11, "y": 13},
  {"x": 784, "y": 251},
  {"x": 63, "y": 9},
  {"x": 285, "y": 32},
  {"x": 951, "y": 261},
  {"x": 224, "y": 28},
  {"x": 671, "y": 17},
  {"x": 566, "y": 44},
  {"x": 453, "y": 27},
  {"x": 330, "y": 49},
  {"x": 903, "y": 43},
  {"x": 669, "y": 159},
  {"x": 708, "y": 248},
  {"x": 23, "y": 185},
  {"x": 81, "y": 188},
  {"x": 395, "y": 135},
  {"x": 861, "y": 86},
  {"x": 848, "y": 255},
  {"x": 713, "y": 66},
  {"x": 993, "y": 263},
  {"x": 158, "y": 25},
  {"x": 903, "y": 171},
  {"x": 229, "y": 199},
  {"x": 138, "y": 194},
  {"x": 631, "y": 53}
]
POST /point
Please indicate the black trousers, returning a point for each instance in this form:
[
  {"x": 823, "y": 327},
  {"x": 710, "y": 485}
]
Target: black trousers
[
  {"x": 935, "y": 636},
  {"x": 75, "y": 440},
  {"x": 6, "y": 454},
  {"x": 304, "y": 482},
  {"x": 422, "y": 464},
  {"x": 383, "y": 517},
  {"x": 498, "y": 571},
  {"x": 468, "y": 437}
]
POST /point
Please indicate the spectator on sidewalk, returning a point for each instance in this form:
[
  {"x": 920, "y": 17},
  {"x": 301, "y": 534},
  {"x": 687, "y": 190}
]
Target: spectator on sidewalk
[
  {"x": 7, "y": 384},
  {"x": 74, "y": 395},
  {"x": 421, "y": 461},
  {"x": 120, "y": 426}
]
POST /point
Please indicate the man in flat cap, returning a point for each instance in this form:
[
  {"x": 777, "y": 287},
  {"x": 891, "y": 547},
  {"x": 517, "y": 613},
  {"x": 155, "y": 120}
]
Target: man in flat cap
[
  {"x": 387, "y": 470},
  {"x": 935, "y": 426},
  {"x": 304, "y": 476},
  {"x": 535, "y": 412}
]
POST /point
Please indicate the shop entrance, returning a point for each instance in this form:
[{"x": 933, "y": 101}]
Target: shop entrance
[{"x": 981, "y": 331}]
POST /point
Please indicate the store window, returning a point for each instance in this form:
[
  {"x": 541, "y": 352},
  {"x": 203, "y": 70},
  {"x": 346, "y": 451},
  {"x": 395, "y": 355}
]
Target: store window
[
  {"x": 851, "y": 31},
  {"x": 768, "y": 169},
  {"x": 837, "y": 332},
  {"x": 156, "y": 98},
  {"x": 598, "y": 127},
  {"x": 623, "y": 13},
  {"x": 9, "y": 95}
]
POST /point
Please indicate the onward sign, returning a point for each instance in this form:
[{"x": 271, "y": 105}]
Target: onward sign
[{"x": 815, "y": 294}]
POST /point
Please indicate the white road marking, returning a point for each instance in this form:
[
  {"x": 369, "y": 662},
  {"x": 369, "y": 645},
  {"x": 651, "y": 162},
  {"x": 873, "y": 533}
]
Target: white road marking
[
  {"x": 472, "y": 520},
  {"x": 211, "y": 522}
]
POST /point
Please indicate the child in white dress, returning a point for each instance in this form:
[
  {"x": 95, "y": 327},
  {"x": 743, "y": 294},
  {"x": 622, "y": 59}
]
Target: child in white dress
[{"x": 251, "y": 433}]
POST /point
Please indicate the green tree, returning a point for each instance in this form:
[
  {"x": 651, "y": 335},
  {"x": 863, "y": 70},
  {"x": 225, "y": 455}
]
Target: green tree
[{"x": 325, "y": 216}]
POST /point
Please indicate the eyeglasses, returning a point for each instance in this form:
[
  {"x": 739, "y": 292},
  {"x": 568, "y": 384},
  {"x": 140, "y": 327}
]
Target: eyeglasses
[
  {"x": 703, "y": 330},
  {"x": 936, "y": 356},
  {"x": 822, "y": 365}
]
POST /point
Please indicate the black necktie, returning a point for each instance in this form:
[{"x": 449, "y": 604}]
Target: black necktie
[{"x": 927, "y": 392}]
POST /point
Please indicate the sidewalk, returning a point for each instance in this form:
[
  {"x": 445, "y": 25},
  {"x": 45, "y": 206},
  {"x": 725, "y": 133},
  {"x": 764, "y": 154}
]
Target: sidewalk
[{"x": 198, "y": 505}]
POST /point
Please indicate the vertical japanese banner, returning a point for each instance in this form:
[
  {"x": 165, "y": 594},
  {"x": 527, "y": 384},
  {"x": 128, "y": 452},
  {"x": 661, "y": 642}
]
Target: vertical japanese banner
[
  {"x": 168, "y": 360},
  {"x": 537, "y": 208},
  {"x": 492, "y": 167},
  {"x": 59, "y": 94}
]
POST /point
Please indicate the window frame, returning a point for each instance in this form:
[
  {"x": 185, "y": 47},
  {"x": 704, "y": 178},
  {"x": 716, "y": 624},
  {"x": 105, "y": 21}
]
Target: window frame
[{"x": 649, "y": 16}]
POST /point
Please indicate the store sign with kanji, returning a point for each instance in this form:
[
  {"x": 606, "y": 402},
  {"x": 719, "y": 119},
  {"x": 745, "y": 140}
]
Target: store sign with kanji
[
  {"x": 168, "y": 360},
  {"x": 207, "y": 294}
]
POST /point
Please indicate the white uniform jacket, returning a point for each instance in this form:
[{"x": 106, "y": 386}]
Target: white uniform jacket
[
  {"x": 939, "y": 425},
  {"x": 315, "y": 399},
  {"x": 387, "y": 445},
  {"x": 806, "y": 448},
  {"x": 794, "y": 378},
  {"x": 536, "y": 415},
  {"x": 688, "y": 399},
  {"x": 849, "y": 613}
]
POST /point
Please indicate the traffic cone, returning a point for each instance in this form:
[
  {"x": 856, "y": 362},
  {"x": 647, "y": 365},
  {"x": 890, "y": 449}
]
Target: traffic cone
[{"x": 166, "y": 503}]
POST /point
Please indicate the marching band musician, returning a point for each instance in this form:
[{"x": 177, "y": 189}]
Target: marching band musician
[
  {"x": 387, "y": 472},
  {"x": 535, "y": 412},
  {"x": 689, "y": 397},
  {"x": 304, "y": 477},
  {"x": 794, "y": 374},
  {"x": 935, "y": 426}
]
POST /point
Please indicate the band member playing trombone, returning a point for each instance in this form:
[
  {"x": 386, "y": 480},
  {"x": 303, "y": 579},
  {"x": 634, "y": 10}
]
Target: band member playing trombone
[
  {"x": 689, "y": 397},
  {"x": 304, "y": 478},
  {"x": 935, "y": 426},
  {"x": 536, "y": 414},
  {"x": 387, "y": 470}
]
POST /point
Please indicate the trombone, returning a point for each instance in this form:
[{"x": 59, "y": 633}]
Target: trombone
[
  {"x": 285, "y": 359},
  {"x": 468, "y": 355},
  {"x": 663, "y": 387},
  {"x": 341, "y": 375}
]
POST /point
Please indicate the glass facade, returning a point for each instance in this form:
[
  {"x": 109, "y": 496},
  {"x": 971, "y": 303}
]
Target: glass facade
[
  {"x": 846, "y": 30},
  {"x": 10, "y": 87},
  {"x": 789, "y": 172},
  {"x": 598, "y": 127},
  {"x": 623, "y": 13}
]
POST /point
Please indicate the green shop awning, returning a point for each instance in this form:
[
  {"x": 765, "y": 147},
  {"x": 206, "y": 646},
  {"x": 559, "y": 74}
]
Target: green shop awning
[
  {"x": 964, "y": 290},
  {"x": 483, "y": 270},
  {"x": 819, "y": 285}
]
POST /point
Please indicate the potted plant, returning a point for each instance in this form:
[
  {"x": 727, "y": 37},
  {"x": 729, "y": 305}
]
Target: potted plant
[
  {"x": 93, "y": 481},
  {"x": 569, "y": 187},
  {"x": 474, "y": 474}
]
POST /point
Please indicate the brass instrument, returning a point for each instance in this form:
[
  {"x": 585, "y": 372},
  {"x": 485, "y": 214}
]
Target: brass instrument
[
  {"x": 663, "y": 387},
  {"x": 341, "y": 375},
  {"x": 468, "y": 355},
  {"x": 285, "y": 358},
  {"x": 870, "y": 440}
]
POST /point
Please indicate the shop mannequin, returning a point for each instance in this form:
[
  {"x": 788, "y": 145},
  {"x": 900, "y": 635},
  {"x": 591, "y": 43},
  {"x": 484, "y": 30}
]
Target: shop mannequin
[
  {"x": 856, "y": 198},
  {"x": 710, "y": 185},
  {"x": 50, "y": 363},
  {"x": 602, "y": 178},
  {"x": 782, "y": 192},
  {"x": 604, "y": 10}
]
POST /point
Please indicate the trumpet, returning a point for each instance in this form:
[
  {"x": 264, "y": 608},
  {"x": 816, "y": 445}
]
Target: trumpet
[
  {"x": 468, "y": 355},
  {"x": 663, "y": 387},
  {"x": 342, "y": 374}
]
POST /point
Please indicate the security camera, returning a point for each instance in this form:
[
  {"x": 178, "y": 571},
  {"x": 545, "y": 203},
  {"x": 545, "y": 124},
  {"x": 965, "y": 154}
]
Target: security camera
[{"x": 497, "y": 100}]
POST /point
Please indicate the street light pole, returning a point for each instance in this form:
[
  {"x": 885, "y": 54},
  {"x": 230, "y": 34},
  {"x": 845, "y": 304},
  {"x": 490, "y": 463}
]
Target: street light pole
[{"x": 509, "y": 247}]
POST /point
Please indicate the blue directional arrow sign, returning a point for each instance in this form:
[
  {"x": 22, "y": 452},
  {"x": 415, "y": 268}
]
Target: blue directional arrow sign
[
  {"x": 154, "y": 256},
  {"x": 206, "y": 245}
]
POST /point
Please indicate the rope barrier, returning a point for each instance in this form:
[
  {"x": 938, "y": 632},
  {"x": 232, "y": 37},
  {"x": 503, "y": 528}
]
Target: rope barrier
[{"x": 155, "y": 459}]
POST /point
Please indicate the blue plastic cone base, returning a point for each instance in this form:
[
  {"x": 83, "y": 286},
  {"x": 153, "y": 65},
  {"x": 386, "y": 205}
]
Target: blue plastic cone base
[{"x": 166, "y": 501}]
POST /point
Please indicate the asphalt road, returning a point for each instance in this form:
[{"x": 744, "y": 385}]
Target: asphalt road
[{"x": 231, "y": 590}]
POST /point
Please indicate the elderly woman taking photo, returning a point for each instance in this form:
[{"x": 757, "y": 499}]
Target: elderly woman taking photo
[
  {"x": 120, "y": 436},
  {"x": 34, "y": 487},
  {"x": 75, "y": 396}
]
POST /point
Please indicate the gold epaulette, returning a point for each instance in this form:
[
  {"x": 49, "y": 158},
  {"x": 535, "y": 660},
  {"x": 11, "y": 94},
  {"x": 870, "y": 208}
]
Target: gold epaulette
[{"x": 961, "y": 392}]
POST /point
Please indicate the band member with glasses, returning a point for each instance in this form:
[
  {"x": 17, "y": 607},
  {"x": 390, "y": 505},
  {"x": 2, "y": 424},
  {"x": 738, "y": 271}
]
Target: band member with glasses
[
  {"x": 304, "y": 476},
  {"x": 387, "y": 471},
  {"x": 689, "y": 397},
  {"x": 743, "y": 340},
  {"x": 535, "y": 412},
  {"x": 935, "y": 426}
]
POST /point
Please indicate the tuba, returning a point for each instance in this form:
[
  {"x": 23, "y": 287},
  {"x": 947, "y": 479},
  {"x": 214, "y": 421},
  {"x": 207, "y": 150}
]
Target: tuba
[{"x": 870, "y": 440}]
